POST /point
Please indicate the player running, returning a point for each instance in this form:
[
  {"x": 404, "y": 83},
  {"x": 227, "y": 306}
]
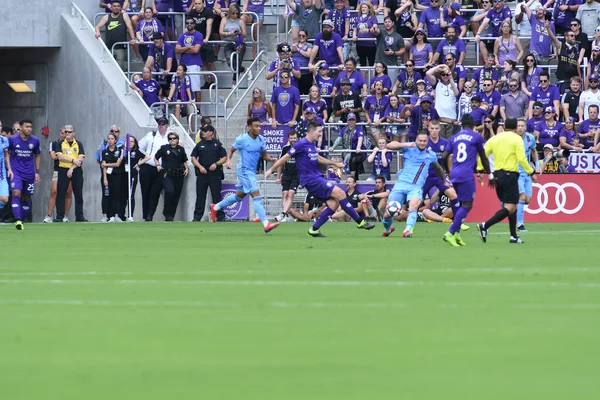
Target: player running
[
  {"x": 307, "y": 159},
  {"x": 409, "y": 187},
  {"x": 251, "y": 146},
  {"x": 525, "y": 182},
  {"x": 23, "y": 165},
  {"x": 464, "y": 147}
]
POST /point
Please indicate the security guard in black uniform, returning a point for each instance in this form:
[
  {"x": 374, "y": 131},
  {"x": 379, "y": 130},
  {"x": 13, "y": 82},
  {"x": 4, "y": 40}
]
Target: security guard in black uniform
[
  {"x": 174, "y": 169},
  {"x": 208, "y": 158}
]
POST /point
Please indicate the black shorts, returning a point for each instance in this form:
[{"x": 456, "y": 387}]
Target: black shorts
[
  {"x": 489, "y": 44},
  {"x": 507, "y": 186},
  {"x": 207, "y": 53},
  {"x": 290, "y": 183}
]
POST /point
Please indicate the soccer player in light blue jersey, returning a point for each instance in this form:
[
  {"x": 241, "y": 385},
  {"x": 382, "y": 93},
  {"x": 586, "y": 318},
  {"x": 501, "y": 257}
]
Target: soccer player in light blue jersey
[
  {"x": 409, "y": 187},
  {"x": 525, "y": 183},
  {"x": 251, "y": 146}
]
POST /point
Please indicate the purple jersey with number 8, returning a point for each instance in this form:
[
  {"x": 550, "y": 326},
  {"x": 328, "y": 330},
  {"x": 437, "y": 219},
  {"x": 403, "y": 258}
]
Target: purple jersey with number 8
[{"x": 464, "y": 147}]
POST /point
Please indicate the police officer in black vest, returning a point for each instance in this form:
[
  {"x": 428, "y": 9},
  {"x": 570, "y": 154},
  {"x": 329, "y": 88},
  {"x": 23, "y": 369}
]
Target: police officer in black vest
[
  {"x": 174, "y": 169},
  {"x": 208, "y": 158}
]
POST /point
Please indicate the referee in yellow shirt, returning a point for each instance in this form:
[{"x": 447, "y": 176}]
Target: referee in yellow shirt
[{"x": 508, "y": 150}]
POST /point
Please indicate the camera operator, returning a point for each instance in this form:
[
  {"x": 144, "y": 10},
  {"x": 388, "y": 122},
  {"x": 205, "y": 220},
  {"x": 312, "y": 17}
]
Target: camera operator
[
  {"x": 555, "y": 161},
  {"x": 284, "y": 63},
  {"x": 173, "y": 169}
]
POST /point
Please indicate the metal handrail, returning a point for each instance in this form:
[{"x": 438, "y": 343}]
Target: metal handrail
[
  {"x": 160, "y": 14},
  {"x": 176, "y": 122},
  {"x": 175, "y": 103}
]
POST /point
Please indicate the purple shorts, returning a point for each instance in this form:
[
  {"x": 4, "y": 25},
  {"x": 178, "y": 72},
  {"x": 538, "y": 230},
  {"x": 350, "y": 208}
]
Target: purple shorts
[
  {"x": 434, "y": 182},
  {"x": 23, "y": 185},
  {"x": 320, "y": 188},
  {"x": 465, "y": 191}
]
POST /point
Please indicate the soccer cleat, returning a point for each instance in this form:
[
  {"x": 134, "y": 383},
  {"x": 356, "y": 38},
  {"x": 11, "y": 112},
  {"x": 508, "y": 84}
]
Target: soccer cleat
[
  {"x": 315, "y": 233},
  {"x": 365, "y": 225},
  {"x": 19, "y": 225},
  {"x": 270, "y": 226},
  {"x": 47, "y": 220},
  {"x": 459, "y": 239},
  {"x": 213, "y": 213},
  {"x": 65, "y": 219},
  {"x": 464, "y": 227},
  {"x": 406, "y": 234},
  {"x": 482, "y": 232},
  {"x": 386, "y": 233},
  {"x": 516, "y": 240},
  {"x": 450, "y": 239},
  {"x": 255, "y": 219},
  {"x": 521, "y": 228},
  {"x": 447, "y": 220}
]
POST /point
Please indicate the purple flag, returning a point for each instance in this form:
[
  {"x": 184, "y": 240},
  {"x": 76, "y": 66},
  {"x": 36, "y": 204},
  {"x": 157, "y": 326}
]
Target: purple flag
[{"x": 127, "y": 143}]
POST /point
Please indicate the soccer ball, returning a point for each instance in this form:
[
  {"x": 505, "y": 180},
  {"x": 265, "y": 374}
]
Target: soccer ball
[{"x": 394, "y": 207}]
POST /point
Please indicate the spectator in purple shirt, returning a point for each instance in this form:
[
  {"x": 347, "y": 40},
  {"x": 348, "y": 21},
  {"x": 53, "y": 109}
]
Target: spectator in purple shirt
[
  {"x": 548, "y": 131},
  {"x": 451, "y": 44},
  {"x": 496, "y": 16},
  {"x": 488, "y": 71},
  {"x": 365, "y": 33},
  {"x": 145, "y": 30},
  {"x": 453, "y": 17},
  {"x": 563, "y": 14},
  {"x": 285, "y": 102},
  {"x": 540, "y": 45},
  {"x": 188, "y": 45},
  {"x": 328, "y": 45},
  {"x": 181, "y": 90},
  {"x": 148, "y": 88},
  {"x": 161, "y": 58},
  {"x": 546, "y": 94},
  {"x": 407, "y": 79},
  {"x": 491, "y": 97},
  {"x": 421, "y": 51},
  {"x": 285, "y": 62},
  {"x": 340, "y": 17},
  {"x": 352, "y": 137},
  {"x": 258, "y": 7},
  {"x": 431, "y": 18},
  {"x": 531, "y": 74},
  {"x": 420, "y": 116},
  {"x": 357, "y": 81}
]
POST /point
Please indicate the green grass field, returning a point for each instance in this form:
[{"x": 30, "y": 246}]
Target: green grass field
[{"x": 223, "y": 311}]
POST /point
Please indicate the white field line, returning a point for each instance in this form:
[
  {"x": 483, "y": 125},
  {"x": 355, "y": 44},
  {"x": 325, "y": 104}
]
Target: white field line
[
  {"x": 525, "y": 234},
  {"x": 558, "y": 270},
  {"x": 591, "y": 285},
  {"x": 282, "y": 304}
]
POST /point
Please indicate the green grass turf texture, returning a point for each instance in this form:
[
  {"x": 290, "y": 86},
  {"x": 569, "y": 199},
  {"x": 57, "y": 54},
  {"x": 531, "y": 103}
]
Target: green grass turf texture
[{"x": 224, "y": 311}]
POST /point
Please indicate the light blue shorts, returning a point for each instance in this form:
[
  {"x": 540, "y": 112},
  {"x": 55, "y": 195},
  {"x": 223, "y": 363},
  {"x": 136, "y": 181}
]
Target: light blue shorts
[
  {"x": 295, "y": 23},
  {"x": 406, "y": 193},
  {"x": 3, "y": 188},
  {"x": 247, "y": 183},
  {"x": 525, "y": 184}
]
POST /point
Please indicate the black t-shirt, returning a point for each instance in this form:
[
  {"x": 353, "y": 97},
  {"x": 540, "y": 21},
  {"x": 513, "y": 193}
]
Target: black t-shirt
[
  {"x": 568, "y": 61},
  {"x": 353, "y": 198},
  {"x": 201, "y": 18},
  {"x": 573, "y": 101},
  {"x": 289, "y": 168},
  {"x": 342, "y": 101},
  {"x": 112, "y": 156},
  {"x": 135, "y": 156},
  {"x": 375, "y": 200},
  {"x": 312, "y": 201},
  {"x": 56, "y": 148},
  {"x": 172, "y": 158},
  {"x": 208, "y": 152}
]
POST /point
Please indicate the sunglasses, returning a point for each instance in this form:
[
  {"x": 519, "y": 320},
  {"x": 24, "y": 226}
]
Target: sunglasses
[
  {"x": 543, "y": 81},
  {"x": 65, "y": 131},
  {"x": 284, "y": 77},
  {"x": 173, "y": 138},
  {"x": 468, "y": 87},
  {"x": 301, "y": 35},
  {"x": 410, "y": 65},
  {"x": 513, "y": 85},
  {"x": 190, "y": 22},
  {"x": 530, "y": 60},
  {"x": 486, "y": 84},
  {"x": 19, "y": 129},
  {"x": 420, "y": 34},
  {"x": 345, "y": 84},
  {"x": 488, "y": 122},
  {"x": 257, "y": 91},
  {"x": 590, "y": 82},
  {"x": 537, "y": 108},
  {"x": 445, "y": 74},
  {"x": 485, "y": 2},
  {"x": 115, "y": 131},
  {"x": 548, "y": 112},
  {"x": 575, "y": 24},
  {"x": 449, "y": 59}
]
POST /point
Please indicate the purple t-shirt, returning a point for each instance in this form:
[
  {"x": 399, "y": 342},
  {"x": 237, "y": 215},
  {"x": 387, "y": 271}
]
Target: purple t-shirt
[
  {"x": 532, "y": 124},
  {"x": 356, "y": 81},
  {"x": 420, "y": 118},
  {"x": 585, "y": 126},
  {"x": 149, "y": 90},
  {"x": 378, "y": 167},
  {"x": 563, "y": 18},
  {"x": 493, "y": 99},
  {"x": 365, "y": 22},
  {"x": 181, "y": 5},
  {"x": 457, "y": 22},
  {"x": 357, "y": 134},
  {"x": 306, "y": 154},
  {"x": 438, "y": 148},
  {"x": 484, "y": 73},
  {"x": 459, "y": 72},
  {"x": 211, "y": 3},
  {"x": 339, "y": 20},
  {"x": 328, "y": 48},
  {"x": 319, "y": 106},
  {"x": 549, "y": 135},
  {"x": 408, "y": 83},
  {"x": 164, "y": 5},
  {"x": 540, "y": 39},
  {"x": 292, "y": 65},
  {"x": 533, "y": 80},
  {"x": 169, "y": 51},
  {"x": 148, "y": 28},
  {"x": 479, "y": 115},
  {"x": 189, "y": 40},
  {"x": 431, "y": 19},
  {"x": 421, "y": 57},
  {"x": 376, "y": 106},
  {"x": 546, "y": 97},
  {"x": 181, "y": 87},
  {"x": 455, "y": 48},
  {"x": 465, "y": 147},
  {"x": 285, "y": 100},
  {"x": 257, "y": 6},
  {"x": 496, "y": 19},
  {"x": 387, "y": 82},
  {"x": 21, "y": 153},
  {"x": 568, "y": 135},
  {"x": 325, "y": 86}
]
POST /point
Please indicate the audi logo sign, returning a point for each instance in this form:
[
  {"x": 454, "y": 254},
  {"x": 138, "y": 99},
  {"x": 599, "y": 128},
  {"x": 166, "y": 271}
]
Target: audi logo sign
[{"x": 555, "y": 198}]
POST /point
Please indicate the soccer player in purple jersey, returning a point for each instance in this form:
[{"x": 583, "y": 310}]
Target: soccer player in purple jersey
[
  {"x": 307, "y": 157},
  {"x": 464, "y": 147},
  {"x": 23, "y": 166}
]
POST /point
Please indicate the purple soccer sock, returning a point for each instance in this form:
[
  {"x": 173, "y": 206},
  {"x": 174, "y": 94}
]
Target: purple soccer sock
[
  {"x": 16, "y": 207},
  {"x": 347, "y": 207},
  {"x": 25, "y": 208},
  {"x": 325, "y": 214},
  {"x": 459, "y": 217}
]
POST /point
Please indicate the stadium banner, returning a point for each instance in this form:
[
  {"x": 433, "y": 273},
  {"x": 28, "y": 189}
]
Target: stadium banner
[
  {"x": 237, "y": 211},
  {"x": 585, "y": 162},
  {"x": 555, "y": 198},
  {"x": 276, "y": 138}
]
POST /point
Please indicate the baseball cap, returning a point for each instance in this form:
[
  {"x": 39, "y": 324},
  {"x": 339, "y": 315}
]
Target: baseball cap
[
  {"x": 283, "y": 48},
  {"x": 548, "y": 146},
  {"x": 593, "y": 77},
  {"x": 538, "y": 104},
  {"x": 549, "y": 109},
  {"x": 162, "y": 121},
  {"x": 324, "y": 66},
  {"x": 310, "y": 110},
  {"x": 596, "y": 48},
  {"x": 455, "y": 7},
  {"x": 426, "y": 98},
  {"x": 351, "y": 116},
  {"x": 207, "y": 128},
  {"x": 476, "y": 98},
  {"x": 328, "y": 22},
  {"x": 420, "y": 81},
  {"x": 345, "y": 81},
  {"x": 157, "y": 35}
]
